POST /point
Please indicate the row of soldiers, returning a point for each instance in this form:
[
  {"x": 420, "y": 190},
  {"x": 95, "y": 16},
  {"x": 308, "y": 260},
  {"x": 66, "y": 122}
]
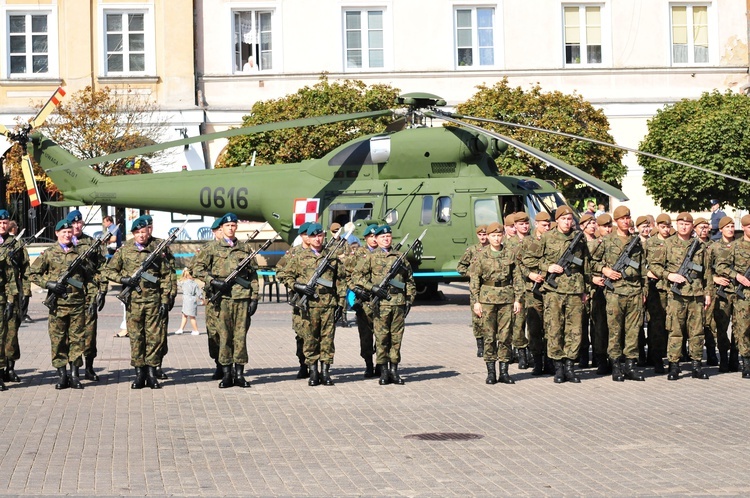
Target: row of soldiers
[{"x": 536, "y": 293}]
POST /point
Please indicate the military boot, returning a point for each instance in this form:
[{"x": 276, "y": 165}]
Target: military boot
[
  {"x": 605, "y": 367},
  {"x": 218, "y": 372},
  {"x": 523, "y": 359},
  {"x": 314, "y": 375},
  {"x": 570, "y": 371},
  {"x": 140, "y": 378},
  {"x": 75, "y": 379},
  {"x": 631, "y": 374},
  {"x": 658, "y": 366},
  {"x": 2, "y": 386},
  {"x": 617, "y": 375},
  {"x": 62, "y": 379},
  {"x": 480, "y": 347},
  {"x": 378, "y": 370},
  {"x": 369, "y": 369},
  {"x": 583, "y": 358},
  {"x": 559, "y": 372},
  {"x": 151, "y": 378},
  {"x": 505, "y": 377},
  {"x": 711, "y": 359},
  {"x": 723, "y": 360},
  {"x": 514, "y": 355},
  {"x": 384, "y": 380},
  {"x": 491, "y": 373},
  {"x": 239, "y": 376},
  {"x": 538, "y": 361},
  {"x": 642, "y": 359},
  {"x": 226, "y": 377},
  {"x": 394, "y": 376},
  {"x": 327, "y": 374},
  {"x": 734, "y": 360},
  {"x": 10, "y": 371},
  {"x": 304, "y": 371},
  {"x": 674, "y": 371},
  {"x": 89, "y": 373},
  {"x": 698, "y": 372},
  {"x": 549, "y": 365},
  {"x": 160, "y": 373},
  {"x": 746, "y": 368}
]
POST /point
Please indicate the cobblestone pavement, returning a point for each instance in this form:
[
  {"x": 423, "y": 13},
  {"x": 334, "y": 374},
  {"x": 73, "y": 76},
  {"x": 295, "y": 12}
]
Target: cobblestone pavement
[{"x": 283, "y": 438}]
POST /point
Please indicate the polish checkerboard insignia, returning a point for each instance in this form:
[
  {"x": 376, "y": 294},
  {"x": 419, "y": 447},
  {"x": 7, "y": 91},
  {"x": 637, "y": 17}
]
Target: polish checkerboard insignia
[{"x": 305, "y": 210}]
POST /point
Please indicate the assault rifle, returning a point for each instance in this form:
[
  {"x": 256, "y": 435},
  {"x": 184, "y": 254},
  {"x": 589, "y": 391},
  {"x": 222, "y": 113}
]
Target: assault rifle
[
  {"x": 624, "y": 260},
  {"x": 393, "y": 271},
  {"x": 257, "y": 231},
  {"x": 10, "y": 249},
  {"x": 141, "y": 273},
  {"x": 234, "y": 276},
  {"x": 300, "y": 299},
  {"x": 566, "y": 260},
  {"x": 362, "y": 293},
  {"x": 740, "y": 291},
  {"x": 687, "y": 266},
  {"x": 67, "y": 276}
]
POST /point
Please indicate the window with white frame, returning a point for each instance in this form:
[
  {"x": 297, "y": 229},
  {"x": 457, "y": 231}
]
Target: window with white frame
[
  {"x": 475, "y": 36},
  {"x": 689, "y": 34},
  {"x": 253, "y": 40},
  {"x": 363, "y": 39},
  {"x": 126, "y": 43},
  {"x": 29, "y": 44},
  {"x": 583, "y": 34}
]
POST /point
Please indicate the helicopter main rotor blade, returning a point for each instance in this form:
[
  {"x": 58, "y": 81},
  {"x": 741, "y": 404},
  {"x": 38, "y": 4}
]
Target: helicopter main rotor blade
[
  {"x": 282, "y": 125},
  {"x": 47, "y": 109},
  {"x": 566, "y": 168},
  {"x": 600, "y": 142}
]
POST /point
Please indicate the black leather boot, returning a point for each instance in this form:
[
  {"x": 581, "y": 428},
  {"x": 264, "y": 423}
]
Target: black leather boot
[
  {"x": 658, "y": 366},
  {"x": 75, "y": 379},
  {"x": 394, "y": 376},
  {"x": 160, "y": 373},
  {"x": 369, "y": 369},
  {"x": 89, "y": 373},
  {"x": 218, "y": 373},
  {"x": 304, "y": 371},
  {"x": 151, "y": 378},
  {"x": 314, "y": 376},
  {"x": 642, "y": 360},
  {"x": 724, "y": 361},
  {"x": 630, "y": 373},
  {"x": 570, "y": 371},
  {"x": 734, "y": 359},
  {"x": 2, "y": 386},
  {"x": 226, "y": 377},
  {"x": 604, "y": 366},
  {"x": 549, "y": 365},
  {"x": 698, "y": 372},
  {"x": 559, "y": 372},
  {"x": 674, "y": 371},
  {"x": 239, "y": 376},
  {"x": 140, "y": 378},
  {"x": 480, "y": 347},
  {"x": 491, "y": 373},
  {"x": 538, "y": 361},
  {"x": 504, "y": 377},
  {"x": 746, "y": 368},
  {"x": 384, "y": 380},
  {"x": 523, "y": 359},
  {"x": 326, "y": 381},
  {"x": 10, "y": 371},
  {"x": 514, "y": 355},
  {"x": 617, "y": 375},
  {"x": 62, "y": 379},
  {"x": 711, "y": 359}
]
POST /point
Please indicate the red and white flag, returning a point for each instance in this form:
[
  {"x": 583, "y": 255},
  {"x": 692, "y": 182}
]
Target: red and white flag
[{"x": 305, "y": 210}]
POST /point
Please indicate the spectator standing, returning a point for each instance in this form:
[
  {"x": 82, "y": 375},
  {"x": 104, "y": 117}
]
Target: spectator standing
[
  {"x": 716, "y": 215},
  {"x": 191, "y": 294}
]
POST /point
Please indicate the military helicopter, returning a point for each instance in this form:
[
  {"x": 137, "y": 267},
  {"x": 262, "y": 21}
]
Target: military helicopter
[{"x": 411, "y": 176}]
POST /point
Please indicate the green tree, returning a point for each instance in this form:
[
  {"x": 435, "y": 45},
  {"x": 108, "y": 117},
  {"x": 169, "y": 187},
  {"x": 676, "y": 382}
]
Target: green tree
[
  {"x": 711, "y": 132},
  {"x": 555, "y": 111},
  {"x": 294, "y": 145}
]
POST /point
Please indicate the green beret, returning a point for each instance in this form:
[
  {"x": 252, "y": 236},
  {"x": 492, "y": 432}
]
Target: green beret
[
  {"x": 148, "y": 219},
  {"x": 302, "y": 230},
  {"x": 314, "y": 229},
  {"x": 139, "y": 223},
  {"x": 371, "y": 229},
  {"x": 63, "y": 224},
  {"x": 383, "y": 229},
  {"x": 216, "y": 224},
  {"x": 228, "y": 218}
]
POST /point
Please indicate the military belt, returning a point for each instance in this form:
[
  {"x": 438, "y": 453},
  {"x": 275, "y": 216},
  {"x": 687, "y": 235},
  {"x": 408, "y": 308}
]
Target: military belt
[
  {"x": 502, "y": 283},
  {"x": 324, "y": 290}
]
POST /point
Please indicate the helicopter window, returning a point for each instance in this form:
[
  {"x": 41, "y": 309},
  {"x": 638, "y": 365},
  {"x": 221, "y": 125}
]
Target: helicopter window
[
  {"x": 538, "y": 203},
  {"x": 485, "y": 211},
  {"x": 443, "y": 209},
  {"x": 511, "y": 204},
  {"x": 343, "y": 213},
  {"x": 427, "y": 203}
]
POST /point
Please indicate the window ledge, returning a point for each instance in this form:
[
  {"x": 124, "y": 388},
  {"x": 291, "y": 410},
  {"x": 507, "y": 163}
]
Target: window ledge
[
  {"x": 31, "y": 82},
  {"x": 127, "y": 79}
]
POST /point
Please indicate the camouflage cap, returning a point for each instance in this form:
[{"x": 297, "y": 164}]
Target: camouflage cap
[
  {"x": 619, "y": 212},
  {"x": 663, "y": 218},
  {"x": 641, "y": 220},
  {"x": 63, "y": 224},
  {"x": 494, "y": 227},
  {"x": 726, "y": 220},
  {"x": 685, "y": 216},
  {"x": 604, "y": 219},
  {"x": 700, "y": 221},
  {"x": 510, "y": 220},
  {"x": 482, "y": 229},
  {"x": 520, "y": 216},
  {"x": 562, "y": 211}
]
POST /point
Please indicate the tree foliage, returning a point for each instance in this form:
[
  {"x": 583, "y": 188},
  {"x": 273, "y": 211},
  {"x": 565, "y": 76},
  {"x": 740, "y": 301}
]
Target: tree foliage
[
  {"x": 554, "y": 111},
  {"x": 711, "y": 132},
  {"x": 294, "y": 145}
]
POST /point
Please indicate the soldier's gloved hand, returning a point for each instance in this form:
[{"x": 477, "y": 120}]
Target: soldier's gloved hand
[
  {"x": 172, "y": 299},
  {"x": 101, "y": 298},
  {"x": 91, "y": 309},
  {"x": 380, "y": 292},
  {"x": 9, "y": 310},
  {"x": 338, "y": 313},
  {"x": 407, "y": 310},
  {"x": 305, "y": 289},
  {"x": 56, "y": 287},
  {"x": 219, "y": 285},
  {"x": 25, "y": 305},
  {"x": 163, "y": 311},
  {"x": 252, "y": 307},
  {"x": 126, "y": 281}
]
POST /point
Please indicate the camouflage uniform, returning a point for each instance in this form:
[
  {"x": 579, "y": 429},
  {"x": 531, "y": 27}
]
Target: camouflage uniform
[
  {"x": 533, "y": 306},
  {"x": 518, "y": 321},
  {"x": 17, "y": 289},
  {"x": 99, "y": 284},
  {"x": 462, "y": 268},
  {"x": 171, "y": 284},
  {"x": 212, "y": 317},
  {"x": 656, "y": 304},
  {"x": 733, "y": 261},
  {"x": 719, "y": 314},
  {"x": 364, "y": 313},
  {"x": 597, "y": 314},
  {"x": 296, "y": 317}
]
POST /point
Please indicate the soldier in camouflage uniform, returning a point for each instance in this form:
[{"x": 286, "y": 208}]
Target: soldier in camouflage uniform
[
  {"x": 463, "y": 269},
  {"x": 684, "y": 310},
  {"x": 496, "y": 291},
  {"x": 588, "y": 226},
  {"x": 323, "y": 303},
  {"x": 389, "y": 318},
  {"x": 724, "y": 302},
  {"x": 625, "y": 300},
  {"x": 701, "y": 227},
  {"x": 521, "y": 227},
  {"x": 14, "y": 291},
  {"x": 600, "y": 333},
  {"x": 237, "y": 302},
  {"x": 95, "y": 296},
  {"x": 66, "y": 323},
  {"x": 146, "y": 309},
  {"x": 563, "y": 306},
  {"x": 656, "y": 300},
  {"x": 364, "y": 313}
]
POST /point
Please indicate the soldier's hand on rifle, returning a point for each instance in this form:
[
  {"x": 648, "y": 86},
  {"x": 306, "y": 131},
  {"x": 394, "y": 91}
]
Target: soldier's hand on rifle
[
  {"x": 163, "y": 311},
  {"x": 536, "y": 277},
  {"x": 101, "y": 298},
  {"x": 338, "y": 313},
  {"x": 597, "y": 281},
  {"x": 56, "y": 287},
  {"x": 722, "y": 281},
  {"x": 743, "y": 280},
  {"x": 127, "y": 281},
  {"x": 676, "y": 278},
  {"x": 611, "y": 274},
  {"x": 380, "y": 292},
  {"x": 172, "y": 299},
  {"x": 407, "y": 310},
  {"x": 305, "y": 289},
  {"x": 9, "y": 310},
  {"x": 555, "y": 268},
  {"x": 91, "y": 309},
  {"x": 252, "y": 307},
  {"x": 220, "y": 285},
  {"x": 25, "y": 305}
]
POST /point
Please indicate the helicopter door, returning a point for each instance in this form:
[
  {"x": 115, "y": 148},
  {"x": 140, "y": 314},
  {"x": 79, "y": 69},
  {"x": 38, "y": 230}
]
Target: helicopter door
[
  {"x": 486, "y": 211},
  {"x": 512, "y": 204}
]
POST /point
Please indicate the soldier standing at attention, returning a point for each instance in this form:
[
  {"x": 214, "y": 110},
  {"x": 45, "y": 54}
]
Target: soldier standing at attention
[
  {"x": 496, "y": 291},
  {"x": 624, "y": 302},
  {"x": 463, "y": 269},
  {"x": 236, "y": 304},
  {"x": 701, "y": 229},
  {"x": 600, "y": 336},
  {"x": 389, "y": 319},
  {"x": 563, "y": 305},
  {"x": 684, "y": 310},
  {"x": 364, "y": 313},
  {"x": 317, "y": 321},
  {"x": 724, "y": 306},
  {"x": 520, "y": 341},
  {"x": 14, "y": 292},
  {"x": 66, "y": 322},
  {"x": 146, "y": 309},
  {"x": 656, "y": 302},
  {"x": 587, "y": 223},
  {"x": 733, "y": 265}
]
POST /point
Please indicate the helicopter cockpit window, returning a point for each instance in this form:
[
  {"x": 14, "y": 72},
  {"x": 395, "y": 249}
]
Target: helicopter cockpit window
[
  {"x": 544, "y": 203},
  {"x": 391, "y": 217},
  {"x": 427, "y": 202},
  {"x": 485, "y": 211},
  {"x": 443, "y": 210}
]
